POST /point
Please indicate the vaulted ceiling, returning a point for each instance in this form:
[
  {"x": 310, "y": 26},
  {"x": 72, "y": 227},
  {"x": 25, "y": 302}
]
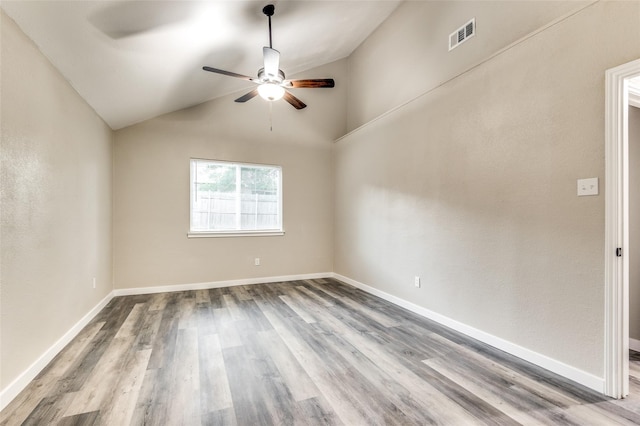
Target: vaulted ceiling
[{"x": 134, "y": 60}]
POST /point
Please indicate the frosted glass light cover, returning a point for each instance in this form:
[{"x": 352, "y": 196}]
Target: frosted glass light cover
[{"x": 270, "y": 91}]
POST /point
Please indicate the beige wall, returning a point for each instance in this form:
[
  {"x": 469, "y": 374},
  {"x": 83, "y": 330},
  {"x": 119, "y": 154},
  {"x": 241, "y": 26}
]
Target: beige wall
[
  {"x": 409, "y": 53},
  {"x": 472, "y": 186},
  {"x": 55, "y": 222},
  {"x": 634, "y": 225},
  {"x": 152, "y": 188}
]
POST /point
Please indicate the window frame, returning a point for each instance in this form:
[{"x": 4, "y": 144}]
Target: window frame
[{"x": 233, "y": 232}]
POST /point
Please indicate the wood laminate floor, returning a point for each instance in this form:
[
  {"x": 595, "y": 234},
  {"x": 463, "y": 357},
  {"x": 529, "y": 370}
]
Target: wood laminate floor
[{"x": 296, "y": 353}]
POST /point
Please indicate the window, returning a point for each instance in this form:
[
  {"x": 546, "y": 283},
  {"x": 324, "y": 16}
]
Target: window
[{"x": 235, "y": 198}]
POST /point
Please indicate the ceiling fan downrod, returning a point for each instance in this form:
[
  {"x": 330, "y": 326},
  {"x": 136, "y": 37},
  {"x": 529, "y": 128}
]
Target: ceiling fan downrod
[{"x": 269, "y": 10}]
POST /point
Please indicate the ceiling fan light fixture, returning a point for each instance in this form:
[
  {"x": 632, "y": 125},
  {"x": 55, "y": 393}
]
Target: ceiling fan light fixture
[
  {"x": 271, "y": 81},
  {"x": 271, "y": 91}
]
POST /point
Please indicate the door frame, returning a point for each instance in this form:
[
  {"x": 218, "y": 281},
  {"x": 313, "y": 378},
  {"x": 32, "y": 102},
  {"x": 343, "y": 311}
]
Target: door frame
[{"x": 616, "y": 341}]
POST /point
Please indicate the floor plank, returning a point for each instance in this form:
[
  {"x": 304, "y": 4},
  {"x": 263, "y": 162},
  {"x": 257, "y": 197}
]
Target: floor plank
[
  {"x": 214, "y": 391},
  {"x": 310, "y": 352}
]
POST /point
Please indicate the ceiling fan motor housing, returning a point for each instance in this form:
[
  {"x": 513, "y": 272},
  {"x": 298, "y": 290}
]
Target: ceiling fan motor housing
[{"x": 265, "y": 78}]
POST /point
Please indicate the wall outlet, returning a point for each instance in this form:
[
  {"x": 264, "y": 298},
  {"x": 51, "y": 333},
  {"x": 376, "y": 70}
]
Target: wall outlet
[
  {"x": 256, "y": 261},
  {"x": 94, "y": 282},
  {"x": 416, "y": 282},
  {"x": 587, "y": 187}
]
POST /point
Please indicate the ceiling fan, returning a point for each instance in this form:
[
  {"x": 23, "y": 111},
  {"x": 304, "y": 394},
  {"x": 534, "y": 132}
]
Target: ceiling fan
[{"x": 271, "y": 81}]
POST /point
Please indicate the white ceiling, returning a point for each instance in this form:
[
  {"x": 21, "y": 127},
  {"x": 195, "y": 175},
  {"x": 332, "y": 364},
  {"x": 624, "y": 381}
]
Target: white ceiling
[{"x": 134, "y": 60}]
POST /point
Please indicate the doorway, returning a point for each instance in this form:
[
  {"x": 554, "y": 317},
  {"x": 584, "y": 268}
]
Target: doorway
[
  {"x": 616, "y": 371},
  {"x": 634, "y": 224}
]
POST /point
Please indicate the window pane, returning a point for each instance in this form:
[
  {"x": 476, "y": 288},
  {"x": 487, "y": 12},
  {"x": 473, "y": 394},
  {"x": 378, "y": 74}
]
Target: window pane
[
  {"x": 259, "y": 198},
  {"x": 214, "y": 199},
  {"x": 229, "y": 196}
]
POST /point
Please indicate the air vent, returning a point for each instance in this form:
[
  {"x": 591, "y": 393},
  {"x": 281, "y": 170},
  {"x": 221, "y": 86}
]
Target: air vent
[{"x": 463, "y": 33}]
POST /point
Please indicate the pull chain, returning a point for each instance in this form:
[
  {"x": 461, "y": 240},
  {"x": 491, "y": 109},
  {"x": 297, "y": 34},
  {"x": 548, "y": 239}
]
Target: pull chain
[{"x": 271, "y": 116}]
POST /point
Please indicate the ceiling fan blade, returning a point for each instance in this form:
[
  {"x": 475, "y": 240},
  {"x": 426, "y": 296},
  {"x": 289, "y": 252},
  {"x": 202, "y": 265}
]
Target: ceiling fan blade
[
  {"x": 311, "y": 83},
  {"x": 229, "y": 73},
  {"x": 244, "y": 98},
  {"x": 297, "y": 103},
  {"x": 271, "y": 61}
]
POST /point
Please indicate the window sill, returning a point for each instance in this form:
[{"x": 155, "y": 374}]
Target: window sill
[{"x": 225, "y": 234}]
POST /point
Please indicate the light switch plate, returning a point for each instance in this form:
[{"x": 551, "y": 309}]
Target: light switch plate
[{"x": 587, "y": 187}]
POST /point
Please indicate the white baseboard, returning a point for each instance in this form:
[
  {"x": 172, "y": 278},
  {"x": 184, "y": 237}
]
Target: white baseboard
[
  {"x": 217, "y": 284},
  {"x": 634, "y": 344},
  {"x": 14, "y": 388},
  {"x": 555, "y": 366}
]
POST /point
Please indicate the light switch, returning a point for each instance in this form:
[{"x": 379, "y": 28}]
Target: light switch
[{"x": 587, "y": 187}]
